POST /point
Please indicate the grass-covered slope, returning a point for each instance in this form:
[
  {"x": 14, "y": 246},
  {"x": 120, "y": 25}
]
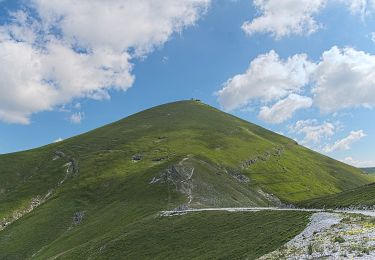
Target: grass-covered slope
[
  {"x": 207, "y": 235},
  {"x": 94, "y": 187},
  {"x": 359, "y": 197}
]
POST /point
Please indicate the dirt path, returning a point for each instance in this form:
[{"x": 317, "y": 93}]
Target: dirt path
[{"x": 168, "y": 213}]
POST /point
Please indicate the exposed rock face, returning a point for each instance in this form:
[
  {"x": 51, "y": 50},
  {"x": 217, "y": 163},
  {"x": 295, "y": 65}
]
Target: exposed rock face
[
  {"x": 71, "y": 162},
  {"x": 238, "y": 176},
  {"x": 273, "y": 199},
  {"x": 136, "y": 157},
  {"x": 17, "y": 214},
  {"x": 71, "y": 165},
  {"x": 72, "y": 168},
  {"x": 276, "y": 152},
  {"x": 78, "y": 217},
  {"x": 180, "y": 176},
  {"x": 210, "y": 185}
]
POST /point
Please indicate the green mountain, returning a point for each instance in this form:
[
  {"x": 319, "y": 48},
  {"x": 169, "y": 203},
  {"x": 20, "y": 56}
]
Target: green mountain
[
  {"x": 98, "y": 194},
  {"x": 369, "y": 170}
]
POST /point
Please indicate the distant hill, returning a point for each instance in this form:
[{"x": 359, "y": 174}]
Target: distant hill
[
  {"x": 369, "y": 170},
  {"x": 95, "y": 194}
]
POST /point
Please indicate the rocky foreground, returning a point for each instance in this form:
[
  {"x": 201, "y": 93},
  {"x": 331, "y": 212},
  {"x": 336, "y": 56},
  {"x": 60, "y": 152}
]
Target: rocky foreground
[{"x": 331, "y": 236}]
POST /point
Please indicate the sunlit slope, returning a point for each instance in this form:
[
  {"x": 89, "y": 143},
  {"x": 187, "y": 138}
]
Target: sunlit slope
[
  {"x": 184, "y": 154},
  {"x": 361, "y": 197},
  {"x": 165, "y": 135}
]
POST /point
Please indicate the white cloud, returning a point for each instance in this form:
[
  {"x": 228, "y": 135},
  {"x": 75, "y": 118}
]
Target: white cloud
[
  {"x": 361, "y": 7},
  {"x": 34, "y": 80},
  {"x": 298, "y": 17},
  {"x": 372, "y": 37},
  {"x": 358, "y": 163},
  {"x": 283, "y": 18},
  {"x": 77, "y": 118},
  {"x": 313, "y": 131},
  {"x": 344, "y": 78},
  {"x": 345, "y": 144},
  {"x": 268, "y": 78},
  {"x": 58, "y": 140},
  {"x": 120, "y": 24},
  {"x": 341, "y": 79},
  {"x": 284, "y": 109},
  {"x": 41, "y": 69}
]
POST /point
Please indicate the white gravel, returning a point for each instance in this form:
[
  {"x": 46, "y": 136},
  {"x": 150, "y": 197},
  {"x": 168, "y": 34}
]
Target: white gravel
[
  {"x": 331, "y": 236},
  {"x": 167, "y": 213},
  {"x": 319, "y": 222}
]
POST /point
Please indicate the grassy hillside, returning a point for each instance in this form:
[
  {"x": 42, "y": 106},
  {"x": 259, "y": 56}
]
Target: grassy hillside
[
  {"x": 71, "y": 196},
  {"x": 360, "y": 197},
  {"x": 208, "y": 235}
]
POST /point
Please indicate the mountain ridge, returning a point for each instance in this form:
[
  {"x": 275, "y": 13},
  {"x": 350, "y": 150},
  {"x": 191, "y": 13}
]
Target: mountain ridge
[{"x": 88, "y": 188}]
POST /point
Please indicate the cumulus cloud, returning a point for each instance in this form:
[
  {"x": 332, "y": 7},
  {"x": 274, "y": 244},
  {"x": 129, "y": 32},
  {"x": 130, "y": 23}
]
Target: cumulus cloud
[
  {"x": 283, "y": 18},
  {"x": 120, "y": 24},
  {"x": 50, "y": 54},
  {"x": 313, "y": 131},
  {"x": 77, "y": 118},
  {"x": 344, "y": 78},
  {"x": 341, "y": 79},
  {"x": 361, "y": 7},
  {"x": 298, "y": 17},
  {"x": 345, "y": 143},
  {"x": 284, "y": 109},
  {"x": 359, "y": 163},
  {"x": 268, "y": 78}
]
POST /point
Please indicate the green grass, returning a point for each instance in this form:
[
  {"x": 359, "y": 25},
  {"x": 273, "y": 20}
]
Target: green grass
[
  {"x": 114, "y": 192},
  {"x": 339, "y": 239},
  {"x": 210, "y": 235},
  {"x": 362, "y": 196}
]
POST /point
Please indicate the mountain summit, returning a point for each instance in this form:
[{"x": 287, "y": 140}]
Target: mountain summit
[{"x": 74, "y": 196}]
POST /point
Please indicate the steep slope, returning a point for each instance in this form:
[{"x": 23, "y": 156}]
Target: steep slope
[
  {"x": 86, "y": 190},
  {"x": 362, "y": 197}
]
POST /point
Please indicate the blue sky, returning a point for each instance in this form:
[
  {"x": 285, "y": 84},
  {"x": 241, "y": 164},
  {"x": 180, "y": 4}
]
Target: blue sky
[{"x": 299, "y": 83}]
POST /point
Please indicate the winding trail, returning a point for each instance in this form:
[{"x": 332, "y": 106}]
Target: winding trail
[{"x": 169, "y": 213}]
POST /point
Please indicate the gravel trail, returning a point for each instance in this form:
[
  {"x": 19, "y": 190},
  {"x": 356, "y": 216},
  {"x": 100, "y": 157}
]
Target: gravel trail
[{"x": 168, "y": 213}]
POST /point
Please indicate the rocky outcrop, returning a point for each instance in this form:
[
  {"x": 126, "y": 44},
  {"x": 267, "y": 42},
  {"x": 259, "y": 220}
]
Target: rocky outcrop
[
  {"x": 136, "y": 157},
  {"x": 71, "y": 163},
  {"x": 17, "y": 214},
  {"x": 78, "y": 217},
  {"x": 180, "y": 176},
  {"x": 331, "y": 236},
  {"x": 210, "y": 185},
  {"x": 275, "y": 152},
  {"x": 273, "y": 200},
  {"x": 238, "y": 176},
  {"x": 72, "y": 168}
]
